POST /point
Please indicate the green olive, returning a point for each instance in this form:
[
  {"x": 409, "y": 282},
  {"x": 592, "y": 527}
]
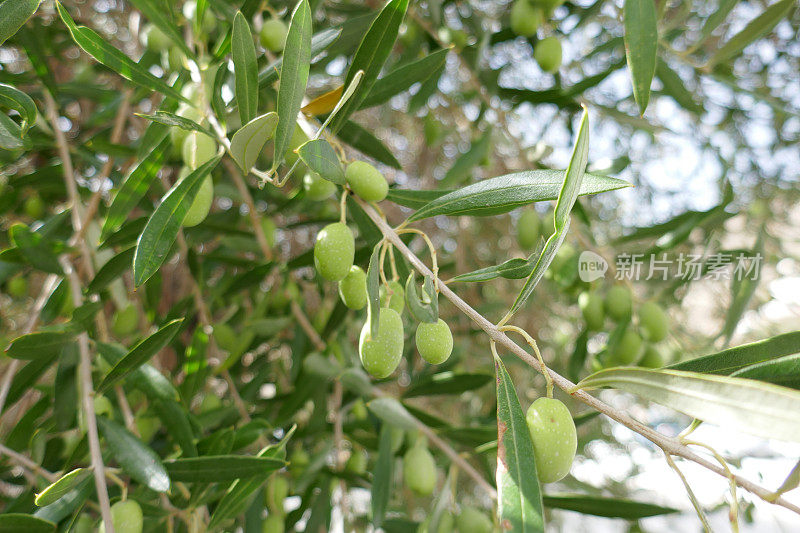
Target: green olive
[
  {"x": 334, "y": 251},
  {"x": 273, "y": 523},
  {"x": 298, "y": 461},
  {"x": 269, "y": 228},
  {"x": 625, "y": 350},
  {"x": 554, "y": 437},
  {"x": 419, "y": 470},
  {"x": 34, "y": 206},
  {"x": 547, "y": 53},
  {"x": 529, "y": 229},
  {"x": 446, "y": 523},
  {"x": 126, "y": 516},
  {"x": 210, "y": 402},
  {"x": 591, "y": 305},
  {"x": 17, "y": 287},
  {"x": 198, "y": 148},
  {"x": 366, "y": 181},
  {"x": 201, "y": 204},
  {"x": 394, "y": 296},
  {"x": 178, "y": 135},
  {"x": 84, "y": 524},
  {"x": 432, "y": 129},
  {"x": 357, "y": 463},
  {"x": 434, "y": 341},
  {"x": 381, "y": 353},
  {"x": 548, "y": 5},
  {"x": 276, "y": 492},
  {"x": 471, "y": 520},
  {"x": 525, "y": 18},
  {"x": 102, "y": 406},
  {"x": 618, "y": 303},
  {"x": 147, "y": 426},
  {"x": 126, "y": 321},
  {"x": 653, "y": 321},
  {"x": 318, "y": 188},
  {"x": 652, "y": 357},
  {"x": 209, "y": 22},
  {"x": 155, "y": 39},
  {"x": 273, "y": 34},
  {"x": 226, "y": 337},
  {"x": 353, "y": 288}
]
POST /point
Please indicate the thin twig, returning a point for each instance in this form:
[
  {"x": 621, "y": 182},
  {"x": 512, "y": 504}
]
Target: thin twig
[
  {"x": 668, "y": 444},
  {"x": 25, "y": 462}
]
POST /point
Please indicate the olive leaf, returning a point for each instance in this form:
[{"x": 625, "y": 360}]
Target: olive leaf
[
  {"x": 61, "y": 486},
  {"x": 427, "y": 309},
  {"x": 321, "y": 158},
  {"x": 248, "y": 140},
  {"x": 245, "y": 68}
]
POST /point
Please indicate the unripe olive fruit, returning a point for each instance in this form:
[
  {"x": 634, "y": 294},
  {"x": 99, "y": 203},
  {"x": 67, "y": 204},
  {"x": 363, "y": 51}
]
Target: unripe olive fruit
[
  {"x": 273, "y": 34},
  {"x": 102, "y": 406},
  {"x": 201, "y": 204},
  {"x": 618, "y": 303},
  {"x": 432, "y": 129},
  {"x": 554, "y": 437},
  {"x": 298, "y": 461},
  {"x": 529, "y": 229},
  {"x": 652, "y": 358},
  {"x": 334, "y": 251},
  {"x": 154, "y": 39},
  {"x": 210, "y": 402},
  {"x": 434, "y": 341},
  {"x": 653, "y": 321},
  {"x": 209, "y": 22},
  {"x": 393, "y": 297},
  {"x": 126, "y": 517},
  {"x": 83, "y": 524},
  {"x": 548, "y": 5},
  {"x": 446, "y": 523},
  {"x": 147, "y": 426},
  {"x": 471, "y": 520},
  {"x": 357, "y": 463},
  {"x": 381, "y": 353},
  {"x": 419, "y": 470},
  {"x": 33, "y": 206},
  {"x": 173, "y": 60},
  {"x": 273, "y": 524},
  {"x": 626, "y": 350},
  {"x": 276, "y": 493},
  {"x": 366, "y": 181},
  {"x": 126, "y": 321},
  {"x": 198, "y": 148},
  {"x": 268, "y": 227},
  {"x": 547, "y": 53},
  {"x": 353, "y": 288},
  {"x": 317, "y": 188},
  {"x": 591, "y": 305},
  {"x": 525, "y": 18},
  {"x": 17, "y": 287},
  {"x": 178, "y": 135}
]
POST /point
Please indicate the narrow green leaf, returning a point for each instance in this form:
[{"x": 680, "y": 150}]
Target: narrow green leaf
[
  {"x": 519, "y": 497},
  {"x": 162, "y": 228},
  {"x": 729, "y": 361},
  {"x": 168, "y": 118},
  {"x": 573, "y": 178},
  {"x": 495, "y": 196},
  {"x": 423, "y": 311},
  {"x": 382, "y": 478},
  {"x": 94, "y": 45},
  {"x": 61, "y": 486},
  {"x": 37, "y": 250},
  {"x": 220, "y": 468},
  {"x": 365, "y": 142},
  {"x": 135, "y": 186},
  {"x": 248, "y": 140},
  {"x": 69, "y": 502},
  {"x": 447, "y": 383},
  {"x": 641, "y": 47},
  {"x": 791, "y": 482},
  {"x": 717, "y": 17},
  {"x": 141, "y": 353},
  {"x": 783, "y": 371},
  {"x": 392, "y": 412},
  {"x": 371, "y": 55},
  {"x": 403, "y": 77},
  {"x": 160, "y": 17},
  {"x": 112, "y": 270},
  {"x": 464, "y": 163},
  {"x": 245, "y": 68},
  {"x": 756, "y": 29},
  {"x": 607, "y": 507},
  {"x": 146, "y": 378},
  {"x": 294, "y": 78},
  {"x": 13, "y": 14},
  {"x": 11, "y": 135},
  {"x": 761, "y": 409},
  {"x": 415, "y": 199},
  {"x": 19, "y": 522},
  {"x": 373, "y": 289},
  {"x": 20, "y": 102},
  {"x": 135, "y": 458},
  {"x": 319, "y": 42},
  {"x": 320, "y": 157},
  {"x": 41, "y": 345},
  {"x": 675, "y": 87}
]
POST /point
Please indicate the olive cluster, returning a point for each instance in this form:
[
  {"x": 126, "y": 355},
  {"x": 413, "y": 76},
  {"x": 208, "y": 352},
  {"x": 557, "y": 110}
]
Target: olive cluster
[
  {"x": 334, "y": 252},
  {"x": 526, "y": 18}
]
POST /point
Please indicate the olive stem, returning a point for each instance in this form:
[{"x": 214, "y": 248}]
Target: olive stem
[
  {"x": 431, "y": 249},
  {"x": 25, "y": 462},
  {"x": 669, "y": 444},
  {"x": 530, "y": 340},
  {"x": 343, "y": 207},
  {"x": 734, "y": 512},
  {"x": 695, "y": 502}
]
